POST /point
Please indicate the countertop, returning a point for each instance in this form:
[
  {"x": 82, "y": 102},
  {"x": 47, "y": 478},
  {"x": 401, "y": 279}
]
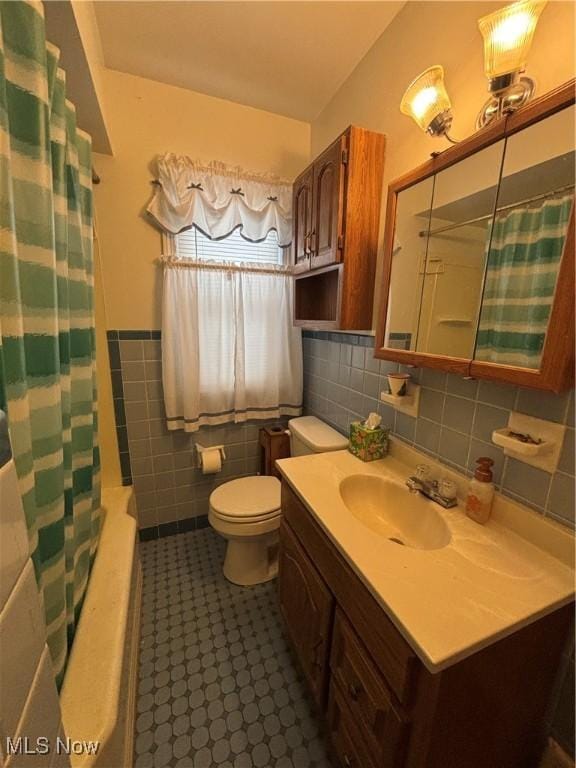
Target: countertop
[{"x": 448, "y": 603}]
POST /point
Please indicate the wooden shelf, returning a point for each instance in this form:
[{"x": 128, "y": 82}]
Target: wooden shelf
[{"x": 317, "y": 298}]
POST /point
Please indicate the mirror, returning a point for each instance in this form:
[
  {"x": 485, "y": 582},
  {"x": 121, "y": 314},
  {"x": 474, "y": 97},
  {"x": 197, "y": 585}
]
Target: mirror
[
  {"x": 458, "y": 236},
  {"x": 478, "y": 240},
  {"x": 535, "y": 200},
  {"x": 408, "y": 258}
]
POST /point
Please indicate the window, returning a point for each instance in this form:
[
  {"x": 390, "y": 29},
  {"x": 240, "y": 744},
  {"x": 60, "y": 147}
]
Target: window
[{"x": 193, "y": 244}]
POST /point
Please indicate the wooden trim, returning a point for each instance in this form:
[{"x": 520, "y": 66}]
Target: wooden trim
[
  {"x": 361, "y": 220},
  {"x": 457, "y": 365},
  {"x": 554, "y": 101},
  {"x": 557, "y": 366}
]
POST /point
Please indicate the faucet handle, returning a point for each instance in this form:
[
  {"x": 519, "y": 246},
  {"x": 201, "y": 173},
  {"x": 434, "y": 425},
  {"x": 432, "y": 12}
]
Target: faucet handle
[
  {"x": 447, "y": 488},
  {"x": 423, "y": 472}
]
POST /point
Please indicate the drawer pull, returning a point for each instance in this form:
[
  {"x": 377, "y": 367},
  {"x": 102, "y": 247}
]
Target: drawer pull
[
  {"x": 354, "y": 691},
  {"x": 348, "y": 761},
  {"x": 316, "y": 648}
]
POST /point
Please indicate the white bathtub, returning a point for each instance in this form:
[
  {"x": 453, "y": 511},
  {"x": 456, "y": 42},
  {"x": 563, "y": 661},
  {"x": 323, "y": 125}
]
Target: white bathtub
[{"x": 99, "y": 691}]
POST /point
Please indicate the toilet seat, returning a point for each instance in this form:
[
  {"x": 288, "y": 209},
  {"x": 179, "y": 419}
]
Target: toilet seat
[
  {"x": 247, "y": 500},
  {"x": 247, "y": 519}
]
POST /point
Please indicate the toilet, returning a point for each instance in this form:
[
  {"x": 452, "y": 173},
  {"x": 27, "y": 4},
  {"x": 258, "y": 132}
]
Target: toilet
[{"x": 246, "y": 512}]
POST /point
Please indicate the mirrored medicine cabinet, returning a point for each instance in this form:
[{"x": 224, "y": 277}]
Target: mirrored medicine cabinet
[{"x": 479, "y": 253}]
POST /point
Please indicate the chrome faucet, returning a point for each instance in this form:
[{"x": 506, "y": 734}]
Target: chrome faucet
[{"x": 442, "y": 491}]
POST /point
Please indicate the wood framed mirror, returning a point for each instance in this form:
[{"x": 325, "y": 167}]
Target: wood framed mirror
[{"x": 479, "y": 253}]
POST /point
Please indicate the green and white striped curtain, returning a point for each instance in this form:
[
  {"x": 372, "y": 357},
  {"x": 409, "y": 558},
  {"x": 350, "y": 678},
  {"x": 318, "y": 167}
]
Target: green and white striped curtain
[
  {"x": 525, "y": 252},
  {"x": 47, "y": 353}
]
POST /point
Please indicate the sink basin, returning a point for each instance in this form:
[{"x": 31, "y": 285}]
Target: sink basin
[{"x": 390, "y": 510}]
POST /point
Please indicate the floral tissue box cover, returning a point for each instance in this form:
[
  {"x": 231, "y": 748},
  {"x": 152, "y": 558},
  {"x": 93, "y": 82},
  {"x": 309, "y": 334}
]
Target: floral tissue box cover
[{"x": 368, "y": 444}]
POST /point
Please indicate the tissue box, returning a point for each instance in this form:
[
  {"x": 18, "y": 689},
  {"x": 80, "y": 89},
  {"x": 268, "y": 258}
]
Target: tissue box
[{"x": 368, "y": 444}]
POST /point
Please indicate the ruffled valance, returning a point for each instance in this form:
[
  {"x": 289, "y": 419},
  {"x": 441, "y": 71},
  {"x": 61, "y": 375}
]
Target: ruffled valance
[{"x": 217, "y": 199}]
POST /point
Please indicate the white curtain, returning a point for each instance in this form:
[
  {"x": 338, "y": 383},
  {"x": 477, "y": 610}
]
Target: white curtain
[
  {"x": 229, "y": 349},
  {"x": 218, "y": 199}
]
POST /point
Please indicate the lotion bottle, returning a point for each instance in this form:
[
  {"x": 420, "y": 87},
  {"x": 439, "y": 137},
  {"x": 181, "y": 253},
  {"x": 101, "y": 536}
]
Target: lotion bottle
[{"x": 481, "y": 492}]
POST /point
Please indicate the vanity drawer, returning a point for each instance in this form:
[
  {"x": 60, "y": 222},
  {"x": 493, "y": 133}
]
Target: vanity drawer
[
  {"x": 345, "y": 739},
  {"x": 369, "y": 701}
]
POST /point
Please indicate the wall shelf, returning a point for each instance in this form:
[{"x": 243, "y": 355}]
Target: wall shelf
[{"x": 408, "y": 403}]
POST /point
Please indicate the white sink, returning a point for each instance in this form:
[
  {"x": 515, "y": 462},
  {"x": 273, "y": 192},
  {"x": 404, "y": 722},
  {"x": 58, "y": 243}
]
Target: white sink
[{"x": 391, "y": 511}]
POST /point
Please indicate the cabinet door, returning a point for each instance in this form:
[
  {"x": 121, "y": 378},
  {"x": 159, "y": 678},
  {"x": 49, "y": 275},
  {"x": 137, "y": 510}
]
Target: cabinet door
[
  {"x": 307, "y": 608},
  {"x": 329, "y": 177},
  {"x": 302, "y": 208}
]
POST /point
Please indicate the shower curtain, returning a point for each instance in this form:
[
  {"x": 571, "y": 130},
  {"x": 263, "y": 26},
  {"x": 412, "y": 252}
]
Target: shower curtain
[
  {"x": 525, "y": 251},
  {"x": 47, "y": 355}
]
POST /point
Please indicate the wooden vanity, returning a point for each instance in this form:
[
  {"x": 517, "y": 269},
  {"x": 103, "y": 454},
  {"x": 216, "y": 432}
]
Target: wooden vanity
[{"x": 382, "y": 706}]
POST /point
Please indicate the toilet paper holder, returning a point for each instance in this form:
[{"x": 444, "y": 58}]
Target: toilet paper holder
[{"x": 201, "y": 448}]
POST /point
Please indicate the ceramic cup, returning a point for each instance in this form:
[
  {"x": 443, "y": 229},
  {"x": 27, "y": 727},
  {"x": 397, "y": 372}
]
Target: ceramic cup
[{"x": 398, "y": 383}]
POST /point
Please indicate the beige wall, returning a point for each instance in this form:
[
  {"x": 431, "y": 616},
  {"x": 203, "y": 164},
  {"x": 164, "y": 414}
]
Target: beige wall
[
  {"x": 147, "y": 118},
  {"x": 426, "y": 33}
]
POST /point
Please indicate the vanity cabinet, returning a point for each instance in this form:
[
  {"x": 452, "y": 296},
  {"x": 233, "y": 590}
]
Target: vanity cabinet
[
  {"x": 336, "y": 204},
  {"x": 383, "y": 707},
  {"x": 479, "y": 253},
  {"x": 307, "y": 606}
]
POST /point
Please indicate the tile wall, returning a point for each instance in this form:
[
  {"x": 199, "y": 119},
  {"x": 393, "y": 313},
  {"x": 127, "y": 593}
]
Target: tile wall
[
  {"x": 342, "y": 382},
  {"x": 171, "y": 492},
  {"x": 29, "y": 705}
]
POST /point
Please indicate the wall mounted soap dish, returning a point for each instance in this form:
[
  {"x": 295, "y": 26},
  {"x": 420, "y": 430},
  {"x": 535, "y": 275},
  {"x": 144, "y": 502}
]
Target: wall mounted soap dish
[
  {"x": 531, "y": 440},
  {"x": 519, "y": 442}
]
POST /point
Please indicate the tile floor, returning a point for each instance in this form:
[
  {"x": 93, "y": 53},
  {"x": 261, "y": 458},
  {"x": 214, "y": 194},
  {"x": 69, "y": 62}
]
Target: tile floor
[{"x": 217, "y": 686}]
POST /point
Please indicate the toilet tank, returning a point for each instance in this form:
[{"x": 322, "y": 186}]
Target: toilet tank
[{"x": 310, "y": 435}]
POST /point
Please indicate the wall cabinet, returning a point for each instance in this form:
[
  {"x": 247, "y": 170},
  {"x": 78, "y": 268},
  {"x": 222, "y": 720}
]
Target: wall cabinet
[
  {"x": 479, "y": 253},
  {"x": 336, "y": 204},
  {"x": 383, "y": 707}
]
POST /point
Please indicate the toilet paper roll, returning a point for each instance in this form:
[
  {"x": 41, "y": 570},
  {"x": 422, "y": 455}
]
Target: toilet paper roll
[{"x": 211, "y": 461}]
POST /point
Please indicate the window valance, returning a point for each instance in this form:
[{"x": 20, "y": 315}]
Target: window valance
[{"x": 218, "y": 199}]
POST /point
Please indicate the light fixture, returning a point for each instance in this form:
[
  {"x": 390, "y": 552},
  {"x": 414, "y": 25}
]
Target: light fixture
[
  {"x": 508, "y": 35},
  {"x": 426, "y": 102}
]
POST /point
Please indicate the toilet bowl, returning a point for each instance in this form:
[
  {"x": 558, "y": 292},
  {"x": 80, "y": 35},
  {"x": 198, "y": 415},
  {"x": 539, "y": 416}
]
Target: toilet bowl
[{"x": 246, "y": 512}]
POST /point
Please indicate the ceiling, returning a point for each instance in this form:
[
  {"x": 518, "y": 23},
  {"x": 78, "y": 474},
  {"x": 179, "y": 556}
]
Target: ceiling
[{"x": 284, "y": 57}]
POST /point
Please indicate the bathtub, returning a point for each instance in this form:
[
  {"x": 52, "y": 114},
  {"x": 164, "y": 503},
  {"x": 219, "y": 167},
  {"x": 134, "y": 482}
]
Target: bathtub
[{"x": 99, "y": 691}]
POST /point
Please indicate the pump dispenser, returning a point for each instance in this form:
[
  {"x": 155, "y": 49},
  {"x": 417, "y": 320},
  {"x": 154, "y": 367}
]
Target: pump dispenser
[{"x": 481, "y": 492}]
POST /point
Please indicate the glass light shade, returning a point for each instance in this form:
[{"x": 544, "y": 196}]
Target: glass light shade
[
  {"x": 426, "y": 97},
  {"x": 508, "y": 36}
]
